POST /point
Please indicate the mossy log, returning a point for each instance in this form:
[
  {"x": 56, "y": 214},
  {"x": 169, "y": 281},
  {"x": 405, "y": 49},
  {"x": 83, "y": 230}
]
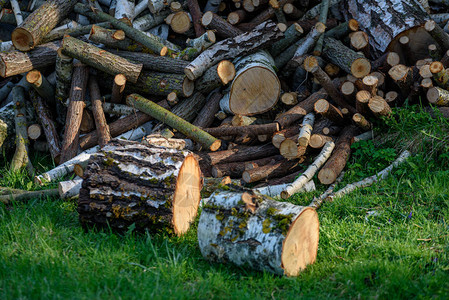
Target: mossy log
[
  {"x": 154, "y": 62},
  {"x": 348, "y": 60},
  {"x": 39, "y": 23},
  {"x": 256, "y": 231},
  {"x": 101, "y": 59},
  {"x": 156, "y": 83},
  {"x": 154, "y": 188},
  {"x": 17, "y": 62},
  {"x": 172, "y": 120}
]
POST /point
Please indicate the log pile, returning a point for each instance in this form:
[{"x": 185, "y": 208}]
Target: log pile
[{"x": 256, "y": 90}]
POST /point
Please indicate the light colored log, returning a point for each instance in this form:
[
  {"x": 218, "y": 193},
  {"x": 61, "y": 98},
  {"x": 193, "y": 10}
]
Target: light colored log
[
  {"x": 306, "y": 130},
  {"x": 254, "y": 236},
  {"x": 70, "y": 189}
]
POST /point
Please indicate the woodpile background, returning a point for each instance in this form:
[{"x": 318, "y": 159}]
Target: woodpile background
[{"x": 255, "y": 89}]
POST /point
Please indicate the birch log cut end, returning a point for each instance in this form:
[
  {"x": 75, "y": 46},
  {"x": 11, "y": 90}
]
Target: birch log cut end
[
  {"x": 256, "y": 231},
  {"x": 256, "y": 87},
  {"x": 131, "y": 183},
  {"x": 180, "y": 22}
]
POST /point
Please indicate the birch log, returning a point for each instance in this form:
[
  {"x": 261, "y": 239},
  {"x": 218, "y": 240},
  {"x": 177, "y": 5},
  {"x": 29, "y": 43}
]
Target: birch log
[
  {"x": 386, "y": 21},
  {"x": 255, "y": 88},
  {"x": 152, "y": 187},
  {"x": 262, "y": 36},
  {"x": 307, "y": 176},
  {"x": 253, "y": 230}
]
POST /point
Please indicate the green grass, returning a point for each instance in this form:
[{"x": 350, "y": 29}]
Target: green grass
[{"x": 387, "y": 241}]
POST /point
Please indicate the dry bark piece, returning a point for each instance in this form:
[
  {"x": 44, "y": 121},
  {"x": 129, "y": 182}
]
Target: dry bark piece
[
  {"x": 337, "y": 161},
  {"x": 39, "y": 23},
  {"x": 152, "y": 187},
  {"x": 163, "y": 115},
  {"x": 101, "y": 59},
  {"x": 255, "y": 236}
]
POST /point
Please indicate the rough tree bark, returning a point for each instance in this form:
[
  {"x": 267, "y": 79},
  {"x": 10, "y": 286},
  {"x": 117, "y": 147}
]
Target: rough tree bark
[{"x": 130, "y": 183}]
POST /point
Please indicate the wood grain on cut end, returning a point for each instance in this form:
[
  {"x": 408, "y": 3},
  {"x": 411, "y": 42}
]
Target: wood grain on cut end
[
  {"x": 187, "y": 195},
  {"x": 300, "y": 246},
  {"x": 360, "y": 67},
  {"x": 226, "y": 71},
  {"x": 34, "y": 77},
  {"x": 22, "y": 39},
  {"x": 353, "y": 25}
]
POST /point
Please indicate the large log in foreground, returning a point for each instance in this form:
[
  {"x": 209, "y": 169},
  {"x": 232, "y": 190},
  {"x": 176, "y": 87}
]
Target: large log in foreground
[
  {"x": 386, "y": 21},
  {"x": 154, "y": 188},
  {"x": 249, "y": 229}
]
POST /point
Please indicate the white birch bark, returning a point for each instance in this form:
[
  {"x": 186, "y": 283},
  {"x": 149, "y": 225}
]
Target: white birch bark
[
  {"x": 70, "y": 188},
  {"x": 246, "y": 230},
  {"x": 306, "y": 129},
  {"x": 310, "y": 172}
]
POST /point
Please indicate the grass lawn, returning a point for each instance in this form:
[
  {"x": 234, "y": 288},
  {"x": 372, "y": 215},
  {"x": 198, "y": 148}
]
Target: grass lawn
[{"x": 388, "y": 241}]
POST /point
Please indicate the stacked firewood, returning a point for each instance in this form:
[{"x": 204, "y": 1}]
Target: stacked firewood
[{"x": 250, "y": 90}]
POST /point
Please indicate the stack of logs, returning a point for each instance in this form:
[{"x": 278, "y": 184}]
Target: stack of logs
[{"x": 253, "y": 88}]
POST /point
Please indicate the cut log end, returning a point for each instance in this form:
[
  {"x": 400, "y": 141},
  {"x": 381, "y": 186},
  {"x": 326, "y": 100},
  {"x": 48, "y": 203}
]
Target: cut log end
[
  {"x": 120, "y": 79},
  {"x": 353, "y": 25},
  {"x": 207, "y": 18},
  {"x": 226, "y": 71},
  {"x": 436, "y": 67},
  {"x": 188, "y": 87},
  {"x": 22, "y": 39},
  {"x": 327, "y": 176},
  {"x": 255, "y": 92},
  {"x": 300, "y": 246},
  {"x": 361, "y": 67},
  {"x": 34, "y": 77},
  {"x": 187, "y": 195}
]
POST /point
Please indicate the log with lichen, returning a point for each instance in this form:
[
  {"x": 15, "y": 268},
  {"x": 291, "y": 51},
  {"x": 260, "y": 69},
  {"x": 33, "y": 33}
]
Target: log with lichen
[
  {"x": 248, "y": 229},
  {"x": 152, "y": 187}
]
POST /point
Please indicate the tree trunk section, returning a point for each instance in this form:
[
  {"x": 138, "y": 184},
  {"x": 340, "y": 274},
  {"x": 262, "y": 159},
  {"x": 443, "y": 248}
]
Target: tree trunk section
[
  {"x": 16, "y": 62},
  {"x": 255, "y": 231},
  {"x": 152, "y": 187},
  {"x": 101, "y": 59},
  {"x": 39, "y": 23}
]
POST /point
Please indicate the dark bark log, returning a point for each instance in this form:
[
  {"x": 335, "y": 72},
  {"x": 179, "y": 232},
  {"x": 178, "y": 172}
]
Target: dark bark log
[
  {"x": 70, "y": 143},
  {"x": 277, "y": 169},
  {"x": 39, "y": 23},
  {"x": 206, "y": 116},
  {"x": 101, "y": 59},
  {"x": 196, "y": 14},
  {"x": 48, "y": 126},
  {"x": 16, "y": 62},
  {"x": 243, "y": 130},
  {"x": 336, "y": 163},
  {"x": 223, "y": 28},
  {"x": 97, "y": 109}
]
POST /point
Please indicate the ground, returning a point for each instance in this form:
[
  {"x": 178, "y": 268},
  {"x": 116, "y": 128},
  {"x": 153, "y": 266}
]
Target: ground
[{"x": 387, "y": 241}]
